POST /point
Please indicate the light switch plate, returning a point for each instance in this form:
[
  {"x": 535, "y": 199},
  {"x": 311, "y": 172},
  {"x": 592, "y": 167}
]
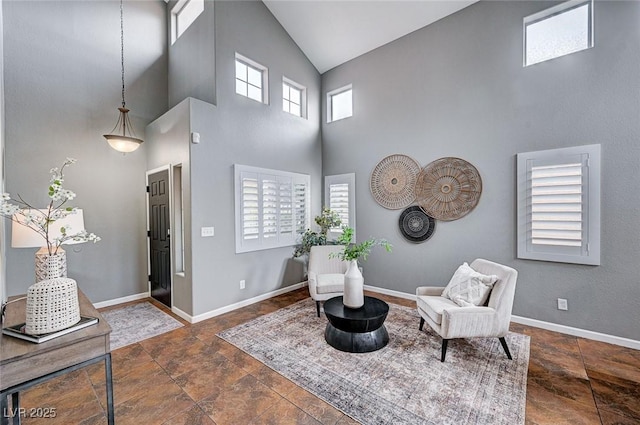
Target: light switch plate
[
  {"x": 562, "y": 304},
  {"x": 207, "y": 232}
]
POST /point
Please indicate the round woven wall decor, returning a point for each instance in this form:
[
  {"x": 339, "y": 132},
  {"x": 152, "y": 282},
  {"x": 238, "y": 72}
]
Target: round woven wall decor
[
  {"x": 393, "y": 181},
  {"x": 448, "y": 188},
  {"x": 415, "y": 225}
]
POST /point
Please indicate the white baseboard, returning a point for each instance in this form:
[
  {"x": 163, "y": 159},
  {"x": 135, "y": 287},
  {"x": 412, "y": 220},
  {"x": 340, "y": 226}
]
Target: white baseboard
[
  {"x": 583, "y": 333},
  {"x": 126, "y": 299},
  {"x": 390, "y": 292},
  {"x": 235, "y": 306},
  {"x": 182, "y": 314}
]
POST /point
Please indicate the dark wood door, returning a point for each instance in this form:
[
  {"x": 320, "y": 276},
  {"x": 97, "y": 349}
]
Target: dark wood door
[{"x": 159, "y": 237}]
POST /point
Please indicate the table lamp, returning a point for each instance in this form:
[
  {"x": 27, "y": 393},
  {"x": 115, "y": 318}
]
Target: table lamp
[{"x": 27, "y": 236}]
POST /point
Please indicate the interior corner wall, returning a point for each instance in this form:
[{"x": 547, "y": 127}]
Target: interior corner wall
[
  {"x": 63, "y": 88},
  {"x": 458, "y": 88},
  {"x": 192, "y": 58},
  {"x": 168, "y": 144},
  {"x": 239, "y": 130}
]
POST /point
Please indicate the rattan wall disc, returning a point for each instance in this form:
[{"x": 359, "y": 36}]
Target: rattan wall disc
[
  {"x": 415, "y": 225},
  {"x": 448, "y": 188},
  {"x": 393, "y": 181}
]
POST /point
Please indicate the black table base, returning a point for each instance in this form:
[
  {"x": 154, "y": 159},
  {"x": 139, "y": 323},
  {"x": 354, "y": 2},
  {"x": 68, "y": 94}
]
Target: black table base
[
  {"x": 359, "y": 330},
  {"x": 356, "y": 342}
]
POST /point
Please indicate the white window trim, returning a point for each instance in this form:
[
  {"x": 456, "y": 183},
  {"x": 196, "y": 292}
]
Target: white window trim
[
  {"x": 303, "y": 96},
  {"x": 263, "y": 70},
  {"x": 175, "y": 11},
  {"x": 332, "y": 93},
  {"x": 350, "y": 180},
  {"x": 243, "y": 245},
  {"x": 548, "y": 13},
  {"x": 589, "y": 251}
]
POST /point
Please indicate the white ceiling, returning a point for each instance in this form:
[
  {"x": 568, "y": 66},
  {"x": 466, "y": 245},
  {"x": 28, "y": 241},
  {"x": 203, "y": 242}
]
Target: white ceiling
[{"x": 333, "y": 32}]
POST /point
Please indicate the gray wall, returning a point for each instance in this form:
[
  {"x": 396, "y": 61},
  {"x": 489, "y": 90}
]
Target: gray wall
[
  {"x": 62, "y": 88},
  {"x": 3, "y": 258},
  {"x": 240, "y": 130},
  {"x": 168, "y": 138},
  {"x": 458, "y": 88},
  {"x": 192, "y": 59}
]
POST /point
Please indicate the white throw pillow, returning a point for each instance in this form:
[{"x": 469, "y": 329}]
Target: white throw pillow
[{"x": 467, "y": 287}]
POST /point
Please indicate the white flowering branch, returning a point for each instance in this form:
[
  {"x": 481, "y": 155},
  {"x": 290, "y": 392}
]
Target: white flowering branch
[{"x": 40, "y": 221}]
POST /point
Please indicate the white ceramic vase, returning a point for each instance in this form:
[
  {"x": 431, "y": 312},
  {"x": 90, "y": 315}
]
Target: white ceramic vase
[{"x": 353, "y": 286}]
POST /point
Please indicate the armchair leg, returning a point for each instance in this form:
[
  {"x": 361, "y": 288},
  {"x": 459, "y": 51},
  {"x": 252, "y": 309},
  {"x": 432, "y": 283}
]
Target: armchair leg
[
  {"x": 318, "y": 307},
  {"x": 444, "y": 349},
  {"x": 421, "y": 323},
  {"x": 506, "y": 348}
]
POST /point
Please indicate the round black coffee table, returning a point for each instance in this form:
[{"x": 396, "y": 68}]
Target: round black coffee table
[{"x": 356, "y": 330}]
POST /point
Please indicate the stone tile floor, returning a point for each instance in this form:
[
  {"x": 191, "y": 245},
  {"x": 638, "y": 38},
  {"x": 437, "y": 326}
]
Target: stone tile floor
[{"x": 190, "y": 376}]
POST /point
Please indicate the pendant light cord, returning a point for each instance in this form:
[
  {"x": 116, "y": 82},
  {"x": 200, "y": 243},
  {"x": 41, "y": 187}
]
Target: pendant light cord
[
  {"x": 123, "y": 138},
  {"x": 122, "y": 48}
]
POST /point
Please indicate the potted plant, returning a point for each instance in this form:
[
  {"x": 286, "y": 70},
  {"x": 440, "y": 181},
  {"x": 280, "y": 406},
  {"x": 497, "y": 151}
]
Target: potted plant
[
  {"x": 352, "y": 252},
  {"x": 52, "y": 302},
  {"x": 326, "y": 220},
  {"x": 47, "y": 222}
]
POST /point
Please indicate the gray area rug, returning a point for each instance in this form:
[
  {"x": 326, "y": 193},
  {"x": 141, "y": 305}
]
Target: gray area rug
[
  {"x": 404, "y": 383},
  {"x": 137, "y": 322}
]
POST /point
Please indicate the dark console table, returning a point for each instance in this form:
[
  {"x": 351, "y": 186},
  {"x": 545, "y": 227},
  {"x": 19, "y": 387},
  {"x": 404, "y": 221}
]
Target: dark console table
[{"x": 358, "y": 330}]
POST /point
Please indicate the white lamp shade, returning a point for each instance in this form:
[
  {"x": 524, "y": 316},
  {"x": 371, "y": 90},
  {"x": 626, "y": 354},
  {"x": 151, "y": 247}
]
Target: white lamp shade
[{"x": 23, "y": 236}]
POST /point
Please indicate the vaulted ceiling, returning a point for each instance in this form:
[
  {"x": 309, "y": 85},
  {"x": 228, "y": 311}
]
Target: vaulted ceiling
[{"x": 333, "y": 32}]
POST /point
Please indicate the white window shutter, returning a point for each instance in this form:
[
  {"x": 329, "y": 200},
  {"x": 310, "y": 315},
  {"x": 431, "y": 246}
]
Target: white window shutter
[
  {"x": 301, "y": 207},
  {"x": 340, "y": 197},
  {"x": 285, "y": 208},
  {"x": 559, "y": 205},
  {"x": 339, "y": 201},
  {"x": 250, "y": 211},
  {"x": 269, "y": 185},
  {"x": 556, "y": 205},
  {"x": 272, "y": 207}
]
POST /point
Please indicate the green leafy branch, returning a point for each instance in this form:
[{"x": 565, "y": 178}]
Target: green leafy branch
[{"x": 353, "y": 251}]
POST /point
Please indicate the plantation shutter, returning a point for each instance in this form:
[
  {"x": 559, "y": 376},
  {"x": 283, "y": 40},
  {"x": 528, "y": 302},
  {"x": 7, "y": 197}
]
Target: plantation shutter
[
  {"x": 250, "y": 210},
  {"x": 285, "y": 207},
  {"x": 559, "y": 205},
  {"x": 339, "y": 201},
  {"x": 301, "y": 208},
  {"x": 269, "y": 206},
  {"x": 340, "y": 197},
  {"x": 556, "y": 205},
  {"x": 272, "y": 208}
]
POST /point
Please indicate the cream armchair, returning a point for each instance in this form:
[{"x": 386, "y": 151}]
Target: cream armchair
[
  {"x": 326, "y": 275},
  {"x": 491, "y": 320}
]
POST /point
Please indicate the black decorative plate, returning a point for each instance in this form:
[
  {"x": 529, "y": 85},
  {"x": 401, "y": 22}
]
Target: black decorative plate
[{"x": 416, "y": 225}]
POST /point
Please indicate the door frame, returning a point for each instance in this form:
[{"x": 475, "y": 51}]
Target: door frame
[{"x": 169, "y": 169}]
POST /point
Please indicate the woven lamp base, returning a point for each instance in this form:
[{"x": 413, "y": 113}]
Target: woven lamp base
[{"x": 52, "y": 305}]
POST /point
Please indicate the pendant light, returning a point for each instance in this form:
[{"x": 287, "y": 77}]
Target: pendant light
[{"x": 123, "y": 137}]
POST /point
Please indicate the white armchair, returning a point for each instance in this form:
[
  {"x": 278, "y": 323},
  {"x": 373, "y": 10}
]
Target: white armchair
[
  {"x": 491, "y": 320},
  {"x": 326, "y": 275}
]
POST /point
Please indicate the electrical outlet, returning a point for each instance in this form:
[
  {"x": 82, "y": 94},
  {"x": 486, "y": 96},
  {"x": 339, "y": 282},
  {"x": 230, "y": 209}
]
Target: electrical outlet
[
  {"x": 242, "y": 284},
  {"x": 562, "y": 304},
  {"x": 207, "y": 232}
]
